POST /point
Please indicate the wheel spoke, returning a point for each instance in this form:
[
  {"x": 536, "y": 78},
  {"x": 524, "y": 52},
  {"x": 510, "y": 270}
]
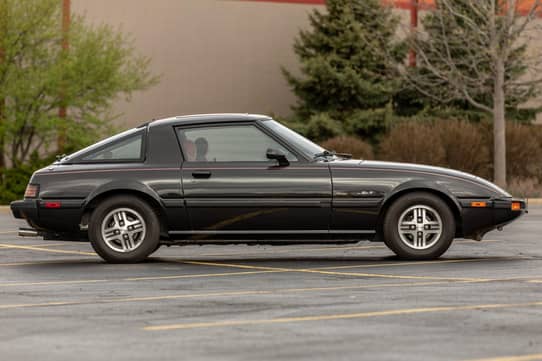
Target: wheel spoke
[
  {"x": 110, "y": 235},
  {"x": 421, "y": 215}
]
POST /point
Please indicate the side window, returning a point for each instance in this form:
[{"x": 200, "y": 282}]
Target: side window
[
  {"x": 125, "y": 149},
  {"x": 236, "y": 143}
]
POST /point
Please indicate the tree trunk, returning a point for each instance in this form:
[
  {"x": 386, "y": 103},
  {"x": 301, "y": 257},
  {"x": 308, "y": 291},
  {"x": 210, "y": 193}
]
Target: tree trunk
[
  {"x": 3, "y": 19},
  {"x": 62, "y": 111},
  {"x": 2, "y": 140},
  {"x": 499, "y": 127}
]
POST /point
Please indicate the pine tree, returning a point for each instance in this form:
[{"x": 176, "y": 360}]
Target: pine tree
[{"x": 346, "y": 78}]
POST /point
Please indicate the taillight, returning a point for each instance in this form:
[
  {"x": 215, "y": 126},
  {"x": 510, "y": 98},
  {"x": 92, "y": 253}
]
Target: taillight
[{"x": 32, "y": 191}]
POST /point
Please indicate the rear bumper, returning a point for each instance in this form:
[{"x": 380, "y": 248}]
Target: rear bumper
[
  {"x": 477, "y": 221},
  {"x": 25, "y": 209},
  {"x": 65, "y": 218}
]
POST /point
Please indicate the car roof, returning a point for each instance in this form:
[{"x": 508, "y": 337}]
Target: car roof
[{"x": 206, "y": 118}]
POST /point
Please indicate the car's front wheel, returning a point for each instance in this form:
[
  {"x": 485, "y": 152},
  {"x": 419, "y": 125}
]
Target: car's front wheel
[
  {"x": 124, "y": 229},
  {"x": 419, "y": 226}
]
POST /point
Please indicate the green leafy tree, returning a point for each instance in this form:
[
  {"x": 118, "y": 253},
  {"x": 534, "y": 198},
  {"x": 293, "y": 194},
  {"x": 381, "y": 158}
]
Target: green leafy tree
[
  {"x": 342, "y": 75},
  {"x": 37, "y": 77}
]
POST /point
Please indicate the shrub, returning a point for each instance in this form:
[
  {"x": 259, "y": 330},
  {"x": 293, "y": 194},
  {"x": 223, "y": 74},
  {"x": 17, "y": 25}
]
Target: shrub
[
  {"x": 413, "y": 142},
  {"x": 468, "y": 146},
  {"x": 13, "y": 181},
  {"x": 524, "y": 151},
  {"x": 465, "y": 146},
  {"x": 349, "y": 144},
  {"x": 525, "y": 187}
]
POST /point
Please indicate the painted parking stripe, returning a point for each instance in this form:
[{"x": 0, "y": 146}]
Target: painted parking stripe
[
  {"x": 32, "y": 248},
  {"x": 532, "y": 357},
  {"x": 355, "y": 274},
  {"x": 42, "y": 249},
  {"x": 47, "y": 262},
  {"x": 39, "y": 245},
  {"x": 182, "y": 276},
  {"x": 344, "y": 316},
  {"x": 220, "y": 294},
  {"x": 133, "y": 279},
  {"x": 416, "y": 263}
]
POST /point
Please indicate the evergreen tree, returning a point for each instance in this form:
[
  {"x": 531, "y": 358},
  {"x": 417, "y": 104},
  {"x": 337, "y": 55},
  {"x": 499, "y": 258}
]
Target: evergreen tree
[{"x": 345, "y": 70}]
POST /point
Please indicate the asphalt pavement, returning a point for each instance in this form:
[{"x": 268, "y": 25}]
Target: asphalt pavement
[{"x": 481, "y": 300}]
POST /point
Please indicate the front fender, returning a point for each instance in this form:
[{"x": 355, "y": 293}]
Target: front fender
[{"x": 420, "y": 185}]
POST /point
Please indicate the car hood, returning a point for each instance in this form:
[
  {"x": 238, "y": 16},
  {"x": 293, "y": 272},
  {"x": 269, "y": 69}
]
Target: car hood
[{"x": 420, "y": 170}]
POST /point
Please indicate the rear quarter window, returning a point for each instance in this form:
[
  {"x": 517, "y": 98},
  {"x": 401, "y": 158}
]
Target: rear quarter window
[{"x": 125, "y": 149}]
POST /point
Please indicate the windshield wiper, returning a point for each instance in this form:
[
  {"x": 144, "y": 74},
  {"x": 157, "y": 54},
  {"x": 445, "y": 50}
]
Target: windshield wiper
[
  {"x": 327, "y": 153},
  {"x": 324, "y": 154}
]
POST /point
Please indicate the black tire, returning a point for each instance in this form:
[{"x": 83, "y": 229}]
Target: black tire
[
  {"x": 437, "y": 245},
  {"x": 147, "y": 244}
]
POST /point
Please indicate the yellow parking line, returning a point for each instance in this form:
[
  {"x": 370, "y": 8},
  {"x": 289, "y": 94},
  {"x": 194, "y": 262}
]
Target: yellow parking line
[
  {"x": 399, "y": 312},
  {"x": 132, "y": 279},
  {"x": 32, "y": 248},
  {"x": 532, "y": 357},
  {"x": 415, "y": 263},
  {"x": 356, "y": 274},
  {"x": 49, "y": 283},
  {"x": 42, "y": 249},
  {"x": 46, "y": 262},
  {"x": 151, "y": 278},
  {"x": 222, "y": 274},
  {"x": 34, "y": 245},
  {"x": 26, "y": 305},
  {"x": 217, "y": 294}
]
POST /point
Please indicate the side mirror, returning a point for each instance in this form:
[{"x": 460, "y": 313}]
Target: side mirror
[{"x": 278, "y": 155}]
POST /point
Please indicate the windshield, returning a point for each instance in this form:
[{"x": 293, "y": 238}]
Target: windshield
[
  {"x": 98, "y": 145},
  {"x": 303, "y": 144}
]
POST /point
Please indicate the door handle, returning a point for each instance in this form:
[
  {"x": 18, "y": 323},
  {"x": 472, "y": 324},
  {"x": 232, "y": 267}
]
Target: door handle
[{"x": 201, "y": 174}]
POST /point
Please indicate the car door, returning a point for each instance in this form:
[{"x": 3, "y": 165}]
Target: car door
[{"x": 230, "y": 186}]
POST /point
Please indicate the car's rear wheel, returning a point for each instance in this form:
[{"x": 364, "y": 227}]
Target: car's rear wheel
[
  {"x": 419, "y": 226},
  {"x": 124, "y": 229}
]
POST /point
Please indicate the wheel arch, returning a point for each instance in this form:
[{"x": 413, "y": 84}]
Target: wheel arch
[
  {"x": 443, "y": 195},
  {"x": 137, "y": 190}
]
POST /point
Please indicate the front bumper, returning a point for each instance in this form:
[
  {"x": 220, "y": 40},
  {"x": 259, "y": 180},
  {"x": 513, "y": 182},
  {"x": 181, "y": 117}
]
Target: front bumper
[{"x": 477, "y": 220}]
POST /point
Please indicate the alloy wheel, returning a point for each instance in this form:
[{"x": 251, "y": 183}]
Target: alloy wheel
[
  {"x": 123, "y": 230},
  {"x": 420, "y": 227}
]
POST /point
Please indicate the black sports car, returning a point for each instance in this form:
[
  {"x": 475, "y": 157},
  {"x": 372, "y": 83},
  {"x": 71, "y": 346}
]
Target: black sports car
[{"x": 235, "y": 178}]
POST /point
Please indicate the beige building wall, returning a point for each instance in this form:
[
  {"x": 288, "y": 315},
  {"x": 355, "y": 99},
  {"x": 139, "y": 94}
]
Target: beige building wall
[{"x": 213, "y": 55}]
